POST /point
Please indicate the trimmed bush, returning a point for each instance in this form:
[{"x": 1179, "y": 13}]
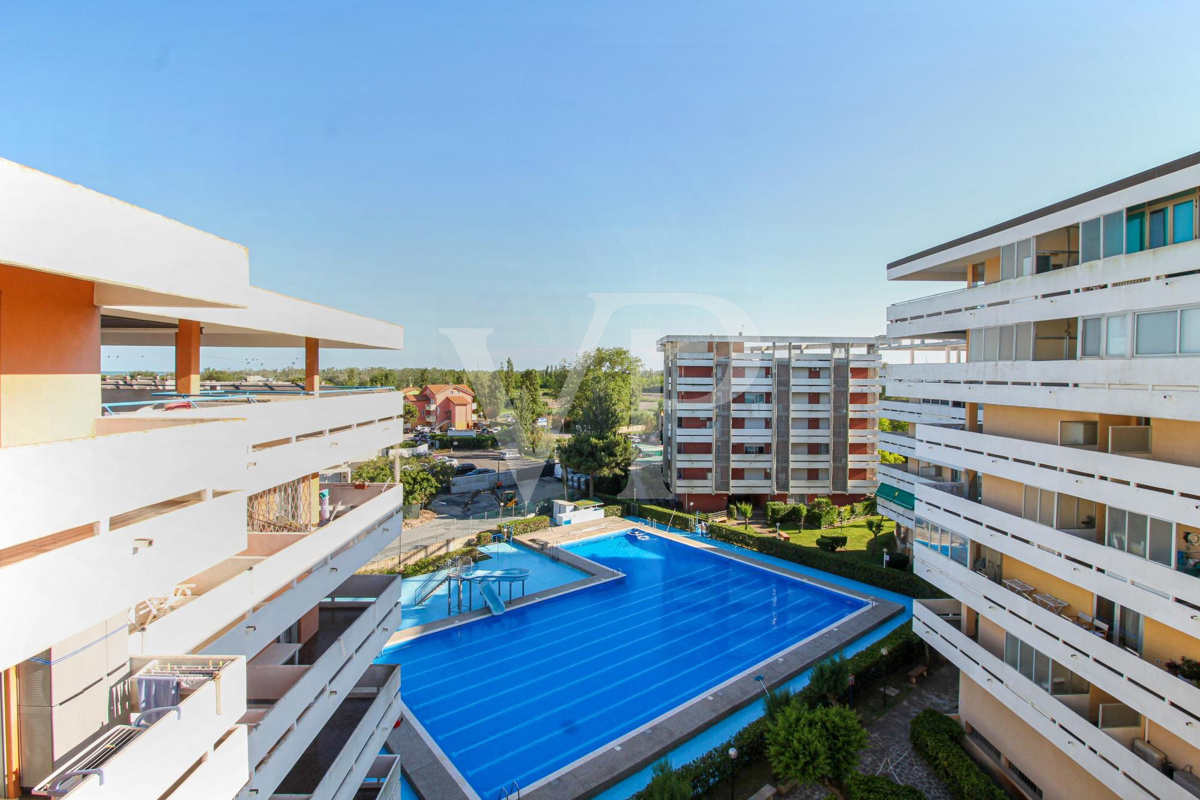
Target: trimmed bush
[
  {"x": 822, "y": 513},
  {"x": 831, "y": 544},
  {"x": 937, "y": 739},
  {"x": 877, "y": 787},
  {"x": 893, "y": 580},
  {"x": 528, "y": 525},
  {"x": 613, "y": 511},
  {"x": 898, "y": 561},
  {"x": 775, "y": 511},
  {"x": 443, "y": 440},
  {"x": 434, "y": 563}
]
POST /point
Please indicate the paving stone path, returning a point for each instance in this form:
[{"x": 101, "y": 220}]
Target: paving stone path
[{"x": 889, "y": 751}]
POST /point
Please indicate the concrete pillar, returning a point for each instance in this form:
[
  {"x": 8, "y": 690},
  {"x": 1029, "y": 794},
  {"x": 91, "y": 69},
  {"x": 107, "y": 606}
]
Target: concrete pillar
[
  {"x": 187, "y": 357},
  {"x": 312, "y": 365}
]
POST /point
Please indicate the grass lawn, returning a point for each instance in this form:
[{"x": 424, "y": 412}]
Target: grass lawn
[{"x": 857, "y": 538}]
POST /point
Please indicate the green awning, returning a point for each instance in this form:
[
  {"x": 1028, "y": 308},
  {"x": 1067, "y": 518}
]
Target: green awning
[{"x": 896, "y": 496}]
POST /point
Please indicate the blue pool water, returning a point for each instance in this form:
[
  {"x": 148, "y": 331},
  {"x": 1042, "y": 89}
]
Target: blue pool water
[{"x": 519, "y": 696}]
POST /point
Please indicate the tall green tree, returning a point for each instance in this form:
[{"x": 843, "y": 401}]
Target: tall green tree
[
  {"x": 607, "y": 390},
  {"x": 597, "y": 457}
]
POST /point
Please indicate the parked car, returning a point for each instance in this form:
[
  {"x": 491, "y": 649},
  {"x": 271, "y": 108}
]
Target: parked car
[
  {"x": 510, "y": 455},
  {"x": 464, "y": 469},
  {"x": 481, "y": 471},
  {"x": 451, "y": 461}
]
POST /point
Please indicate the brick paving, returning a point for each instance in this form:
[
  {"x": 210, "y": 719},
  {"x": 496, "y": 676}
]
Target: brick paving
[{"x": 889, "y": 752}]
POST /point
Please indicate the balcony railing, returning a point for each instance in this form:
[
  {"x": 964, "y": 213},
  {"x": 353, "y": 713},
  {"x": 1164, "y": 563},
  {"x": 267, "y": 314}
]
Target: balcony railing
[
  {"x": 1147, "y": 587},
  {"x": 1092, "y": 748},
  {"x": 355, "y": 625},
  {"x": 189, "y": 703},
  {"x": 1034, "y": 617},
  {"x": 264, "y": 595}
]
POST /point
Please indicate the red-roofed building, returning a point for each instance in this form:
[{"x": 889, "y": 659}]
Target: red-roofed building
[{"x": 443, "y": 406}]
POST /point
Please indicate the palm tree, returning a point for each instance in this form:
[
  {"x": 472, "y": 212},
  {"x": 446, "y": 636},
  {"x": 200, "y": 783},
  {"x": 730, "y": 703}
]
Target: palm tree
[
  {"x": 744, "y": 510},
  {"x": 875, "y": 526}
]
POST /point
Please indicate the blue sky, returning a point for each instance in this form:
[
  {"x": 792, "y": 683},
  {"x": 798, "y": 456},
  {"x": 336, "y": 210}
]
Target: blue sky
[{"x": 491, "y": 164}]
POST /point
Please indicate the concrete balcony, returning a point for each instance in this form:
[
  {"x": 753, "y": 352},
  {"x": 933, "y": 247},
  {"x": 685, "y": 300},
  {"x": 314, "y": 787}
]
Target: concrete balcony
[
  {"x": 289, "y": 437},
  {"x": 1145, "y": 586},
  {"x": 244, "y": 603},
  {"x": 810, "y": 460},
  {"x": 290, "y": 704},
  {"x": 1151, "y": 691},
  {"x": 862, "y": 487},
  {"x": 895, "y": 512},
  {"x": 1154, "y": 488},
  {"x": 1098, "y": 287},
  {"x": 1154, "y": 387},
  {"x": 810, "y": 409},
  {"x": 757, "y": 485},
  {"x": 694, "y": 459},
  {"x": 1089, "y": 746},
  {"x": 863, "y": 434},
  {"x": 751, "y": 459},
  {"x": 751, "y": 435},
  {"x": 693, "y": 485},
  {"x": 149, "y": 756},
  {"x": 692, "y": 384},
  {"x": 922, "y": 413},
  {"x": 151, "y": 555},
  {"x": 899, "y": 443},
  {"x": 810, "y": 435},
  {"x": 740, "y": 409},
  {"x": 346, "y": 751},
  {"x": 694, "y": 434},
  {"x": 758, "y": 383}
]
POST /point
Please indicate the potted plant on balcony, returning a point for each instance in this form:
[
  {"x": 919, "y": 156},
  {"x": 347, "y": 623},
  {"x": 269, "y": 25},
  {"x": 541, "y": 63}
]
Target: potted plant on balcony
[{"x": 1185, "y": 668}]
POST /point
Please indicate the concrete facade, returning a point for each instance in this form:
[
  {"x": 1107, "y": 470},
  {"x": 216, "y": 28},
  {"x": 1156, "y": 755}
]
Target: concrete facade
[{"x": 1049, "y": 484}]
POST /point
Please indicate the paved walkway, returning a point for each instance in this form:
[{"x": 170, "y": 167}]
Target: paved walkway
[{"x": 889, "y": 752}]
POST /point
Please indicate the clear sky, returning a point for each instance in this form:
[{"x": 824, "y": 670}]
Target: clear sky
[{"x": 491, "y": 164}]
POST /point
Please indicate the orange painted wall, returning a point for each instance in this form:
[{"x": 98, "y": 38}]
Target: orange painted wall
[{"x": 49, "y": 357}]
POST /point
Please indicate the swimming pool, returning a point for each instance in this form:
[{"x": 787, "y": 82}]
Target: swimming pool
[
  {"x": 544, "y": 573},
  {"x": 519, "y": 696}
]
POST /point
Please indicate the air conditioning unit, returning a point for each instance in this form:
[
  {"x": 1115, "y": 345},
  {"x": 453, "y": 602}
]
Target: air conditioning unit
[
  {"x": 1150, "y": 754},
  {"x": 1189, "y": 780}
]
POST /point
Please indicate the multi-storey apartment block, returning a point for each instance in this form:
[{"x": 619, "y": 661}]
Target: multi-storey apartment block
[
  {"x": 769, "y": 418},
  {"x": 1064, "y": 519},
  {"x": 182, "y": 617}
]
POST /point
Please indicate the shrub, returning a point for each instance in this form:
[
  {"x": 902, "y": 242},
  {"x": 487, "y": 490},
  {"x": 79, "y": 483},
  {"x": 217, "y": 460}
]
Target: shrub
[
  {"x": 443, "y": 440},
  {"x": 408, "y": 444},
  {"x": 613, "y": 511},
  {"x": 667, "y": 784},
  {"x": 831, "y": 544},
  {"x": 377, "y": 470},
  {"x": 878, "y": 787},
  {"x": 776, "y": 512},
  {"x": 904, "y": 583},
  {"x": 528, "y": 525},
  {"x": 822, "y": 513},
  {"x": 776, "y": 701},
  {"x": 898, "y": 561},
  {"x": 830, "y": 679},
  {"x": 434, "y": 563},
  {"x": 815, "y": 745},
  {"x": 676, "y": 519},
  {"x": 937, "y": 739}
]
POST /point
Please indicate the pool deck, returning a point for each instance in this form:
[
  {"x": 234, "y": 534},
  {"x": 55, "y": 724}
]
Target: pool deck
[{"x": 434, "y": 778}]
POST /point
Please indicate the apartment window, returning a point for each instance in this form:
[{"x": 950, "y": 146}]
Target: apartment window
[
  {"x": 1157, "y": 333},
  {"x": 1024, "y": 348},
  {"x": 1008, "y": 262},
  {"x": 1142, "y": 536},
  {"x": 1089, "y": 342},
  {"x": 1025, "y": 257},
  {"x": 1078, "y": 434},
  {"x": 1116, "y": 336},
  {"x": 1135, "y": 232},
  {"x": 991, "y": 344},
  {"x": 1114, "y": 234},
  {"x": 1048, "y": 674},
  {"x": 754, "y": 397},
  {"x": 953, "y": 545},
  {"x": 1089, "y": 240},
  {"x": 1183, "y": 225},
  {"x": 1189, "y": 330},
  {"x": 756, "y": 449},
  {"x": 1003, "y": 343},
  {"x": 1038, "y": 506}
]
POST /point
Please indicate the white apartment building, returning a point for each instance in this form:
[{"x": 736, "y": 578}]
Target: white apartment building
[
  {"x": 769, "y": 418},
  {"x": 1056, "y": 495},
  {"x": 182, "y": 617}
]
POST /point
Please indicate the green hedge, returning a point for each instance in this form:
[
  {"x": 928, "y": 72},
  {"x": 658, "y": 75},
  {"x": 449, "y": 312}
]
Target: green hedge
[
  {"x": 783, "y": 512},
  {"x": 831, "y": 544},
  {"x": 905, "y": 583},
  {"x": 676, "y": 519},
  {"x": 614, "y": 511},
  {"x": 877, "y": 787},
  {"x": 467, "y": 442},
  {"x": 434, "y": 563},
  {"x": 868, "y": 666},
  {"x": 528, "y": 525},
  {"x": 938, "y": 740}
]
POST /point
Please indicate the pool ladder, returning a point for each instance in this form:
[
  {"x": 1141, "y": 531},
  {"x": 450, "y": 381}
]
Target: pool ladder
[{"x": 513, "y": 790}]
